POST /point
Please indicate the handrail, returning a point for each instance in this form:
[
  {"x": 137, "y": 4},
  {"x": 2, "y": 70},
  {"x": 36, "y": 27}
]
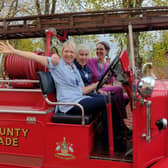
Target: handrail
[
  {"x": 68, "y": 103},
  {"x": 47, "y": 100},
  {"x": 147, "y": 135},
  {"x": 130, "y": 29},
  {"x": 1, "y": 60},
  {"x": 19, "y": 90},
  {"x": 23, "y": 111},
  {"x": 19, "y": 80}
]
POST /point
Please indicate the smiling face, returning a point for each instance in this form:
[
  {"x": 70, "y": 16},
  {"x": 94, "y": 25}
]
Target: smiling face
[
  {"x": 101, "y": 52},
  {"x": 68, "y": 53},
  {"x": 82, "y": 57}
]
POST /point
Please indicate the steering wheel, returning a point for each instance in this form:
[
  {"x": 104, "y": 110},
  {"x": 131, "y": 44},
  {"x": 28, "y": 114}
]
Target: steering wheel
[{"x": 108, "y": 73}]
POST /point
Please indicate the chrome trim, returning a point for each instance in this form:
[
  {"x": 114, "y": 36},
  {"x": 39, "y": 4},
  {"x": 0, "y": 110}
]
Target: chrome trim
[
  {"x": 31, "y": 120},
  {"x": 1, "y": 59},
  {"x": 145, "y": 86},
  {"x": 131, "y": 48},
  {"x": 23, "y": 111},
  {"x": 133, "y": 65},
  {"x": 148, "y": 119},
  {"x": 20, "y": 90},
  {"x": 69, "y": 103},
  {"x": 147, "y": 135},
  {"x": 164, "y": 120},
  {"x": 17, "y": 80}
]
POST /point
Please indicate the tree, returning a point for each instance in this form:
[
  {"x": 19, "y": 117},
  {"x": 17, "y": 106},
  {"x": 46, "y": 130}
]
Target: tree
[
  {"x": 161, "y": 2},
  {"x": 14, "y": 8},
  {"x": 133, "y": 4},
  {"x": 158, "y": 56},
  {"x": 107, "y": 4}
]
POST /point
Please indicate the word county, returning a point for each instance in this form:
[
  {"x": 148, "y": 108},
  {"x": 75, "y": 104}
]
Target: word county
[{"x": 10, "y": 136}]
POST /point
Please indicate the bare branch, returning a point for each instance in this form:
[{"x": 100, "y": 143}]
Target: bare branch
[
  {"x": 38, "y": 8},
  {"x": 53, "y": 6},
  {"x": 2, "y": 4},
  {"x": 47, "y": 6},
  {"x": 13, "y": 8}
]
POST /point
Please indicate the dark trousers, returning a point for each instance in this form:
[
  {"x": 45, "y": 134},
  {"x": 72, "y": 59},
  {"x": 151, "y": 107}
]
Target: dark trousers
[
  {"x": 97, "y": 103},
  {"x": 90, "y": 105},
  {"x": 93, "y": 105}
]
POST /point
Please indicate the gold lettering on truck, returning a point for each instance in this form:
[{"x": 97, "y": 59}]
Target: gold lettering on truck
[{"x": 10, "y": 136}]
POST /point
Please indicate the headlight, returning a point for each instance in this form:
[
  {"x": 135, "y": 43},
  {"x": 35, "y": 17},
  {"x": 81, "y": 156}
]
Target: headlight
[{"x": 145, "y": 86}]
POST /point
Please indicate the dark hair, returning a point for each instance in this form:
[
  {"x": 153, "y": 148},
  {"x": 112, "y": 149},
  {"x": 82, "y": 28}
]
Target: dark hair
[{"x": 105, "y": 44}]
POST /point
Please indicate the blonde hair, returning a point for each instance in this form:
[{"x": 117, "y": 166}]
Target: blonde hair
[{"x": 69, "y": 43}]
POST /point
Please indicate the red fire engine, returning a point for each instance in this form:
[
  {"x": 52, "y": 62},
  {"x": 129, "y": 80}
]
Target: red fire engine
[{"x": 33, "y": 136}]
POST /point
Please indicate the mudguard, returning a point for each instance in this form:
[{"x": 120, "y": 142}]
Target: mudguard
[{"x": 163, "y": 163}]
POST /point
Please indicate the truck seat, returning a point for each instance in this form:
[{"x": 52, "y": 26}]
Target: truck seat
[{"x": 48, "y": 86}]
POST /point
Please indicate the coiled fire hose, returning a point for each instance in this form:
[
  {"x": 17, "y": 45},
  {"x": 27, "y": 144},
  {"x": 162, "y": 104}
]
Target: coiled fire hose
[{"x": 21, "y": 68}]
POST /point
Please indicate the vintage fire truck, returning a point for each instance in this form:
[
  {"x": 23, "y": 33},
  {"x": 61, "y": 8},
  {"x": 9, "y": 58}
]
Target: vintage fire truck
[{"x": 33, "y": 136}]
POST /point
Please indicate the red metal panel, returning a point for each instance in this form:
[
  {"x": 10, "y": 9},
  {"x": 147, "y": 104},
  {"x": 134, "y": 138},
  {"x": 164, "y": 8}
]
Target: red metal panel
[
  {"x": 68, "y": 145},
  {"x": 145, "y": 153},
  {"x": 22, "y": 136},
  {"x": 18, "y": 99},
  {"x": 110, "y": 129},
  {"x": 124, "y": 60},
  {"x": 161, "y": 164}
]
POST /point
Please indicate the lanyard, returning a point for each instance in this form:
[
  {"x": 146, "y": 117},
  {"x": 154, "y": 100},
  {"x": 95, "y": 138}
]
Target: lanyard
[
  {"x": 100, "y": 70},
  {"x": 86, "y": 76}
]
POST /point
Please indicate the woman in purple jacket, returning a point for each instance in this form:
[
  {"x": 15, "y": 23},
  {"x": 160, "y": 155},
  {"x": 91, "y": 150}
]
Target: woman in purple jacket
[{"x": 98, "y": 66}]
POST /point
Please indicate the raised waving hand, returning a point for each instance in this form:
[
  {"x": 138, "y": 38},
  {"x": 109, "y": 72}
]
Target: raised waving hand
[{"x": 6, "y": 48}]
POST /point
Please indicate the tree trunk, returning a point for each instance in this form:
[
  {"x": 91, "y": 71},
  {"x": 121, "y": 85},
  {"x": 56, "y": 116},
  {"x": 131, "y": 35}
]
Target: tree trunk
[
  {"x": 13, "y": 8},
  {"x": 53, "y": 6},
  {"x": 2, "y": 4},
  {"x": 47, "y": 7}
]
